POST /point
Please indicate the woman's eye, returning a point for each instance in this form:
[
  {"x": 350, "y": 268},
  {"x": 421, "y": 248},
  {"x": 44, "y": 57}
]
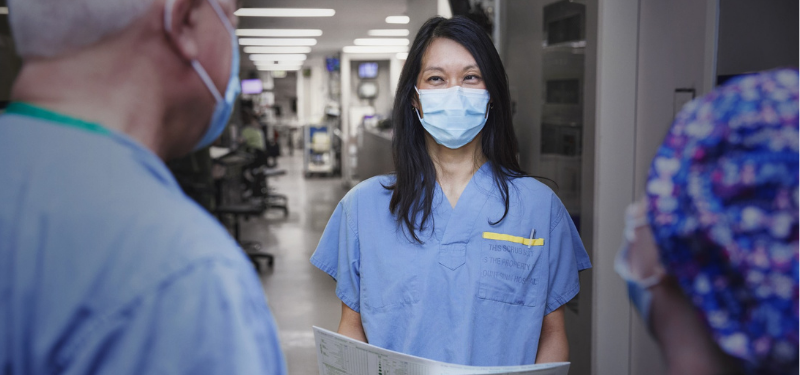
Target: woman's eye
[
  {"x": 472, "y": 77},
  {"x": 435, "y": 79}
]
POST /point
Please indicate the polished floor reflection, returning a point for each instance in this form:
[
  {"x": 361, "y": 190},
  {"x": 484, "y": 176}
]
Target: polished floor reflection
[{"x": 299, "y": 294}]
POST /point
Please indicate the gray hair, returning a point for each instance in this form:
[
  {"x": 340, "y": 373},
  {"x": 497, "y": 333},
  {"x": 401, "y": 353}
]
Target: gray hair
[{"x": 48, "y": 28}]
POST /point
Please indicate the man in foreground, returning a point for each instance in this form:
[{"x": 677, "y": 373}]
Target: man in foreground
[{"x": 105, "y": 265}]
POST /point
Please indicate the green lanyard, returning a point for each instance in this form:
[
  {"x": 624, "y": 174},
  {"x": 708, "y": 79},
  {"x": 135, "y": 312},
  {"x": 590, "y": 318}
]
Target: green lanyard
[{"x": 30, "y": 110}]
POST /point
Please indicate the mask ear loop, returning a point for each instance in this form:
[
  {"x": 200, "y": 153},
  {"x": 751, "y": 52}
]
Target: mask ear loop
[{"x": 169, "y": 5}]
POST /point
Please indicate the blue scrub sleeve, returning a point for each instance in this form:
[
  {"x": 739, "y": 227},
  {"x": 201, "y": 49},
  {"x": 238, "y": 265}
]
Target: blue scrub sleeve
[
  {"x": 210, "y": 318},
  {"x": 567, "y": 256},
  {"x": 338, "y": 254}
]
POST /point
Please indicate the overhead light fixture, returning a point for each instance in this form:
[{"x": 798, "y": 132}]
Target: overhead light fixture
[
  {"x": 402, "y": 55},
  {"x": 279, "y": 32},
  {"x": 284, "y": 12},
  {"x": 388, "y": 32},
  {"x": 278, "y": 57},
  {"x": 374, "y": 49},
  {"x": 395, "y": 19},
  {"x": 270, "y": 68},
  {"x": 279, "y": 62},
  {"x": 381, "y": 42},
  {"x": 277, "y": 42},
  {"x": 278, "y": 74},
  {"x": 3, "y": 10},
  {"x": 277, "y": 49}
]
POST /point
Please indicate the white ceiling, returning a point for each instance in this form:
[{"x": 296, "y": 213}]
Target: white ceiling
[{"x": 352, "y": 20}]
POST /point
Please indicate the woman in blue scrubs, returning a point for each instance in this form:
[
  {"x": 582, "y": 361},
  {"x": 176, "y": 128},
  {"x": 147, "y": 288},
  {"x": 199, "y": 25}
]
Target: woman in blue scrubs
[{"x": 458, "y": 256}]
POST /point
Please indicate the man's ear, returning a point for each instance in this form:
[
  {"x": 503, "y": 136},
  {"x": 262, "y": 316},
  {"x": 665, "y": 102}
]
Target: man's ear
[{"x": 180, "y": 25}]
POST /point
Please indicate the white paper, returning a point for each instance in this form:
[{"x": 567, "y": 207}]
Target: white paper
[{"x": 341, "y": 355}]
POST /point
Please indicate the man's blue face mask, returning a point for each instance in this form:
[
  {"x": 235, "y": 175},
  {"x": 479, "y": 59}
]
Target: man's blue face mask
[
  {"x": 224, "y": 104},
  {"x": 638, "y": 287}
]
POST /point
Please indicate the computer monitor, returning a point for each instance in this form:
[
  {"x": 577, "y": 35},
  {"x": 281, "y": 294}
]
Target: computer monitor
[
  {"x": 252, "y": 86},
  {"x": 368, "y": 70}
]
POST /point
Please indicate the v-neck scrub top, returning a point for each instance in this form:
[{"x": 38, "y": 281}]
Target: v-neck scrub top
[
  {"x": 107, "y": 267},
  {"x": 472, "y": 293}
]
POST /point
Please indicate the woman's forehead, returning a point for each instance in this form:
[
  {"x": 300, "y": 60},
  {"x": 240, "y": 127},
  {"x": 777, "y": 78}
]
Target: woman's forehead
[{"x": 447, "y": 54}]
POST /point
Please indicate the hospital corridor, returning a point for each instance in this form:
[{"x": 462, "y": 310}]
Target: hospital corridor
[{"x": 399, "y": 187}]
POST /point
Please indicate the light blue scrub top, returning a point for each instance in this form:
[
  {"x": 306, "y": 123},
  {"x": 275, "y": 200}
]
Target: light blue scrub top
[
  {"x": 107, "y": 267},
  {"x": 459, "y": 297}
]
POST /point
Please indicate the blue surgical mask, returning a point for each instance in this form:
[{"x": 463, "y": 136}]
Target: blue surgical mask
[
  {"x": 453, "y": 116},
  {"x": 224, "y": 104},
  {"x": 638, "y": 289}
]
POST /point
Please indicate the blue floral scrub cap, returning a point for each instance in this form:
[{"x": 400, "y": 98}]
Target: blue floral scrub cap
[{"x": 722, "y": 196}]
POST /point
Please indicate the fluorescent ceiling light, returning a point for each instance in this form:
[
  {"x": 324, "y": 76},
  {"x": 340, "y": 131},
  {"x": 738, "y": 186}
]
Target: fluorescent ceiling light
[
  {"x": 395, "y": 19},
  {"x": 277, "y": 49},
  {"x": 277, "y": 42},
  {"x": 388, "y": 32},
  {"x": 268, "y": 68},
  {"x": 279, "y": 62},
  {"x": 278, "y": 57},
  {"x": 381, "y": 42},
  {"x": 402, "y": 55},
  {"x": 279, "y": 32},
  {"x": 284, "y": 12},
  {"x": 3, "y": 10},
  {"x": 374, "y": 49}
]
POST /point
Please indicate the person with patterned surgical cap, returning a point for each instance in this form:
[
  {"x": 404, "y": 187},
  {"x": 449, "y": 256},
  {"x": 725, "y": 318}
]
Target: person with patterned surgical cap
[{"x": 711, "y": 252}]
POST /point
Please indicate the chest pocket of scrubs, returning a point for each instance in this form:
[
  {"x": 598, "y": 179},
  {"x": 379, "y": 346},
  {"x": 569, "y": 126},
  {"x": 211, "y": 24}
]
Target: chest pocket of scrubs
[
  {"x": 453, "y": 256},
  {"x": 512, "y": 273}
]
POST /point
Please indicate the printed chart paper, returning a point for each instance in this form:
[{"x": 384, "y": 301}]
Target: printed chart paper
[{"x": 341, "y": 355}]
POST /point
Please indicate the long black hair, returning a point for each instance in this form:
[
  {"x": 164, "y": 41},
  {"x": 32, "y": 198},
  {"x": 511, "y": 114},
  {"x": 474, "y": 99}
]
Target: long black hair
[{"x": 413, "y": 189}]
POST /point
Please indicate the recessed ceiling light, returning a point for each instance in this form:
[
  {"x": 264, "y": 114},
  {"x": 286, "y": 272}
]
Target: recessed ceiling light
[
  {"x": 402, "y": 55},
  {"x": 284, "y": 12},
  {"x": 278, "y": 57},
  {"x": 396, "y": 19},
  {"x": 277, "y": 42},
  {"x": 278, "y": 62},
  {"x": 381, "y": 42},
  {"x": 279, "y": 32},
  {"x": 374, "y": 49},
  {"x": 3, "y": 10},
  {"x": 277, "y": 49},
  {"x": 388, "y": 32},
  {"x": 271, "y": 68}
]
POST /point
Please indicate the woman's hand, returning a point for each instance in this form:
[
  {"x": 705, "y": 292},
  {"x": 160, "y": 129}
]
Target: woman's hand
[
  {"x": 553, "y": 345},
  {"x": 350, "y": 324}
]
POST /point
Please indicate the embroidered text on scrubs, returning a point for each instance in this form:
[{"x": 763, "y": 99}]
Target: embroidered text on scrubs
[
  {"x": 511, "y": 250},
  {"x": 507, "y": 263},
  {"x": 502, "y": 276}
]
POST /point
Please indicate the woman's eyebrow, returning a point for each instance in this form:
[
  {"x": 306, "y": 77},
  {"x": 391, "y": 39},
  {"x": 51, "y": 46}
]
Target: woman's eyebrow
[{"x": 433, "y": 68}]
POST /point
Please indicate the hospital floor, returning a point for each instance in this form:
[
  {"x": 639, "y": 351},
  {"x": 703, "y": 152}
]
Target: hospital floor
[{"x": 299, "y": 294}]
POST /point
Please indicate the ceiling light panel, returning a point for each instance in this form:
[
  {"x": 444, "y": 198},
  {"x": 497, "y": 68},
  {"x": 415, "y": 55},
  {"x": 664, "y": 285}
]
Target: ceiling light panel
[
  {"x": 381, "y": 42},
  {"x": 374, "y": 49},
  {"x": 284, "y": 12},
  {"x": 277, "y": 67},
  {"x": 396, "y": 19},
  {"x": 277, "y": 42},
  {"x": 252, "y": 49},
  {"x": 388, "y": 32},
  {"x": 279, "y": 32},
  {"x": 402, "y": 55},
  {"x": 278, "y": 57},
  {"x": 278, "y": 62}
]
